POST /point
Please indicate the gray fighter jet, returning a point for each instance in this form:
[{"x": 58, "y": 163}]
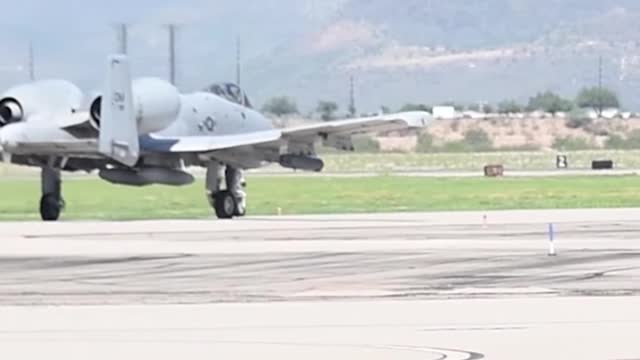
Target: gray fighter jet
[{"x": 144, "y": 131}]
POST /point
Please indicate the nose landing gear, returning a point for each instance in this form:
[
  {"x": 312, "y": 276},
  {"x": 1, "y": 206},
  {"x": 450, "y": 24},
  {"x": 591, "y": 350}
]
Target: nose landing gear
[{"x": 51, "y": 202}]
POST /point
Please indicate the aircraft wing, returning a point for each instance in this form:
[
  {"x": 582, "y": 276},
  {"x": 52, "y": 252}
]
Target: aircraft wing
[
  {"x": 80, "y": 147},
  {"x": 391, "y": 122},
  {"x": 276, "y": 138},
  {"x": 201, "y": 144}
]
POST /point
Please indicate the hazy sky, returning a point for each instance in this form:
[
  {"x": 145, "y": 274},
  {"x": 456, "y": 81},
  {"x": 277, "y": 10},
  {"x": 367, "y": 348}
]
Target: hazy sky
[{"x": 72, "y": 37}]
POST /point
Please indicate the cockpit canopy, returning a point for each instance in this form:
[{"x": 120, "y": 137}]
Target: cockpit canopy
[{"x": 231, "y": 92}]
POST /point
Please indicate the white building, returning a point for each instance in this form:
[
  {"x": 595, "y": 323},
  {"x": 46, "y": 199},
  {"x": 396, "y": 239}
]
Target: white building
[{"x": 444, "y": 112}]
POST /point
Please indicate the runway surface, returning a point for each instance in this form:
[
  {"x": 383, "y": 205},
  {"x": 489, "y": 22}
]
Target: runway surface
[{"x": 405, "y": 286}]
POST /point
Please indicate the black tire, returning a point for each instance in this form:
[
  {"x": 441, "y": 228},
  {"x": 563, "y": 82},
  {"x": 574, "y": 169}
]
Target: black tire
[
  {"x": 50, "y": 208},
  {"x": 225, "y": 205}
]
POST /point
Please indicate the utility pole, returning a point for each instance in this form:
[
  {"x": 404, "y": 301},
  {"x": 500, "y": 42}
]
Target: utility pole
[
  {"x": 172, "y": 53},
  {"x": 122, "y": 38},
  {"x": 32, "y": 70},
  {"x": 600, "y": 72},
  {"x": 600, "y": 105},
  {"x": 352, "y": 97}
]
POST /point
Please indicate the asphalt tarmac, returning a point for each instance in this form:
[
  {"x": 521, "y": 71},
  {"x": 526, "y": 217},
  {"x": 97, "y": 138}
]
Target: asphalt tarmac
[{"x": 402, "y": 286}]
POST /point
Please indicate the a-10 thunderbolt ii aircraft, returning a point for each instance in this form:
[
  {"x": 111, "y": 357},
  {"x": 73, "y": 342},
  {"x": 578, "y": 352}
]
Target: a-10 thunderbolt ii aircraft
[{"x": 144, "y": 131}]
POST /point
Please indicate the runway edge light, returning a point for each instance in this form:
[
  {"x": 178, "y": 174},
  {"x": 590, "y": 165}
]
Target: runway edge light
[{"x": 552, "y": 245}]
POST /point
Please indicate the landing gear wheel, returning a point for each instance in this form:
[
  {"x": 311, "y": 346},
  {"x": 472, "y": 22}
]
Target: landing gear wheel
[
  {"x": 50, "y": 207},
  {"x": 225, "y": 205}
]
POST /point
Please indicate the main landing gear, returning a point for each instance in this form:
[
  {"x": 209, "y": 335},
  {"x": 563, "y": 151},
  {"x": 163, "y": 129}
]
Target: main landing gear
[
  {"x": 232, "y": 201},
  {"x": 51, "y": 203}
]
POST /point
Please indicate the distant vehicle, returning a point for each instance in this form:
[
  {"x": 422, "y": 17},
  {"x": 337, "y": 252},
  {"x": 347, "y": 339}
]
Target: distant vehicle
[{"x": 145, "y": 132}]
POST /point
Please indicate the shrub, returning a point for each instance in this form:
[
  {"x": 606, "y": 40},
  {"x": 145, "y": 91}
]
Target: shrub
[
  {"x": 619, "y": 143},
  {"x": 474, "y": 140},
  {"x": 455, "y": 147},
  {"x": 616, "y": 142},
  {"x": 366, "y": 144},
  {"x": 578, "y": 119},
  {"x": 478, "y": 140},
  {"x": 425, "y": 143},
  {"x": 572, "y": 143}
]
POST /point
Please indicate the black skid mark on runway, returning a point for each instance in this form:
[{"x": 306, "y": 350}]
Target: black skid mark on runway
[
  {"x": 40, "y": 263},
  {"x": 488, "y": 276},
  {"x": 477, "y": 328},
  {"x": 604, "y": 273},
  {"x": 443, "y": 351}
]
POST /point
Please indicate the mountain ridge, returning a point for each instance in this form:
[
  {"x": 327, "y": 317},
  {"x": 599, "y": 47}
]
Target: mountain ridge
[{"x": 432, "y": 51}]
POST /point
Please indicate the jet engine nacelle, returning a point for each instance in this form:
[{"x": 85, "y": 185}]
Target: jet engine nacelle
[
  {"x": 156, "y": 102},
  {"x": 10, "y": 111},
  {"x": 47, "y": 97}
]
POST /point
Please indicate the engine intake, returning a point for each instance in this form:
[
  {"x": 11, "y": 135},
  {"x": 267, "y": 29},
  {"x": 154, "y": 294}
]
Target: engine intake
[
  {"x": 10, "y": 111},
  {"x": 95, "y": 111},
  {"x": 156, "y": 102}
]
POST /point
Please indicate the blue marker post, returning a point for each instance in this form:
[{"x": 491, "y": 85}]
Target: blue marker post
[{"x": 552, "y": 245}]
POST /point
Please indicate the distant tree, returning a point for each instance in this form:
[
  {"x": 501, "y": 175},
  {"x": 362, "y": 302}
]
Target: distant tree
[
  {"x": 327, "y": 110},
  {"x": 549, "y": 102},
  {"x": 509, "y": 107},
  {"x": 280, "y": 106},
  {"x": 416, "y": 107},
  {"x": 385, "y": 109},
  {"x": 597, "y": 99},
  {"x": 474, "y": 107},
  {"x": 488, "y": 109},
  {"x": 456, "y": 106}
]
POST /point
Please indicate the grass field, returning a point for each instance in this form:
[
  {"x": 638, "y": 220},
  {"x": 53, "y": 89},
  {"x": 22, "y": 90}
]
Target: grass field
[
  {"x": 513, "y": 160},
  {"x": 94, "y": 199},
  {"x": 387, "y": 163}
]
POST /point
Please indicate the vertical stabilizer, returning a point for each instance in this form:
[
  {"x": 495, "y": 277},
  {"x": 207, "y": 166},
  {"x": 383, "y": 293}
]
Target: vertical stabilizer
[{"x": 118, "y": 128}]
